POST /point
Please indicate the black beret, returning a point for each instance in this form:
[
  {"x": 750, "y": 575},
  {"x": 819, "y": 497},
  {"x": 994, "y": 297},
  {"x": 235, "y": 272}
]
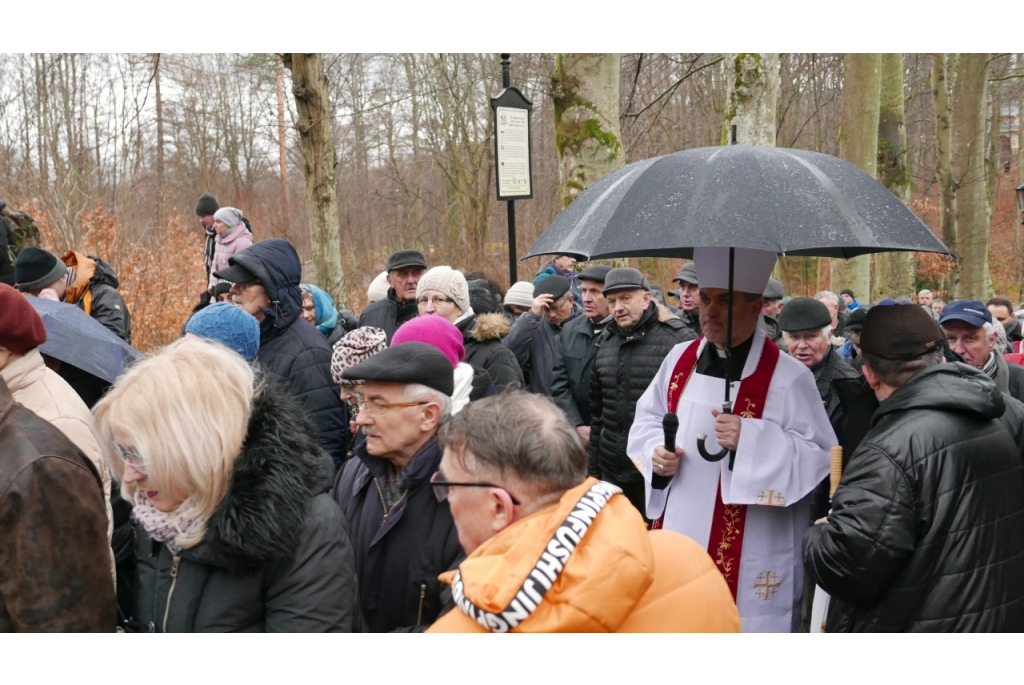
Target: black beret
[
  {"x": 404, "y": 258},
  {"x": 595, "y": 273},
  {"x": 855, "y": 321},
  {"x": 901, "y": 331},
  {"x": 804, "y": 314},
  {"x": 410, "y": 362},
  {"x": 555, "y": 286}
]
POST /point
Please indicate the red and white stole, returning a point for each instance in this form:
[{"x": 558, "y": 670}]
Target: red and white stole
[{"x": 725, "y": 544}]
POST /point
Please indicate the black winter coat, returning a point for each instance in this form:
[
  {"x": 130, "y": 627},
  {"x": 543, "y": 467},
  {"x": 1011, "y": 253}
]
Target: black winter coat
[
  {"x": 292, "y": 350},
  {"x": 276, "y": 556},
  {"x": 574, "y": 368},
  {"x": 388, "y": 314},
  {"x": 624, "y": 365},
  {"x": 7, "y": 241},
  {"x": 399, "y": 553},
  {"x": 108, "y": 307},
  {"x": 533, "y": 340},
  {"x": 481, "y": 336},
  {"x": 927, "y": 527}
]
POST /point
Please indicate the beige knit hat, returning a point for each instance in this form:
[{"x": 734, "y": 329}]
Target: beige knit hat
[
  {"x": 448, "y": 282},
  {"x": 520, "y": 294}
]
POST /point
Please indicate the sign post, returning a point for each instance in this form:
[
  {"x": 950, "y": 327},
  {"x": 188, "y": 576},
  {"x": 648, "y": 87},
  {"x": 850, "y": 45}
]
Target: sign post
[{"x": 513, "y": 162}]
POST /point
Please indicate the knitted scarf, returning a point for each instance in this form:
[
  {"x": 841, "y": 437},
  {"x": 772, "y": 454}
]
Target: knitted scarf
[{"x": 167, "y": 526}]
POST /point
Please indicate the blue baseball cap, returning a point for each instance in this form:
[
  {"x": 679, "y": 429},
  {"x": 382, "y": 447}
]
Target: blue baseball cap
[{"x": 970, "y": 311}]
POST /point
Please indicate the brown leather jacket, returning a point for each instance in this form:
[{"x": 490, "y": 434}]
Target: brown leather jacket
[{"x": 54, "y": 556}]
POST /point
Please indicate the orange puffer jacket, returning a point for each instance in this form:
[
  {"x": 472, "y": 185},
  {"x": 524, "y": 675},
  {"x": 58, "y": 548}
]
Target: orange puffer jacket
[{"x": 615, "y": 577}]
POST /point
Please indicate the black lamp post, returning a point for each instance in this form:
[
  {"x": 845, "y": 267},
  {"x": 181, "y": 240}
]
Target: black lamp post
[{"x": 1020, "y": 201}]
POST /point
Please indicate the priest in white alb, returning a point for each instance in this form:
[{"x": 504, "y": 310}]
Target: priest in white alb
[{"x": 749, "y": 511}]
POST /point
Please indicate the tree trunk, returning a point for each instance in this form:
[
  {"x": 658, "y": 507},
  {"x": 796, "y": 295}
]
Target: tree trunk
[
  {"x": 282, "y": 150},
  {"x": 944, "y": 163},
  {"x": 973, "y": 221},
  {"x": 316, "y": 142},
  {"x": 858, "y": 144},
  {"x": 753, "y": 93},
  {"x": 585, "y": 93},
  {"x": 894, "y": 271},
  {"x": 159, "y": 139}
]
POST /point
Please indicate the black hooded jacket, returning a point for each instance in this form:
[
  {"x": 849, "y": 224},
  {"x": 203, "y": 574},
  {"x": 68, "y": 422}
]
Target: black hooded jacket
[
  {"x": 108, "y": 307},
  {"x": 927, "y": 527},
  {"x": 388, "y": 314},
  {"x": 276, "y": 556},
  {"x": 292, "y": 349}
]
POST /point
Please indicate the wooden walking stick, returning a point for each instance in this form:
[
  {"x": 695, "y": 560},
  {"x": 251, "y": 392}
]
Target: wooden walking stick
[{"x": 837, "y": 470}]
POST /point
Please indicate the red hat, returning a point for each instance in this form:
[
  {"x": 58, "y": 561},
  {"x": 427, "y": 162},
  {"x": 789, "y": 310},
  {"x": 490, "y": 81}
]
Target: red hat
[{"x": 21, "y": 329}]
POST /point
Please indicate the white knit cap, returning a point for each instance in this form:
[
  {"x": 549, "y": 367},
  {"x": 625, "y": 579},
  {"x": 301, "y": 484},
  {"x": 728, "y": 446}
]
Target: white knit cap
[
  {"x": 751, "y": 268},
  {"x": 378, "y": 289},
  {"x": 229, "y": 215},
  {"x": 448, "y": 282},
  {"x": 520, "y": 294}
]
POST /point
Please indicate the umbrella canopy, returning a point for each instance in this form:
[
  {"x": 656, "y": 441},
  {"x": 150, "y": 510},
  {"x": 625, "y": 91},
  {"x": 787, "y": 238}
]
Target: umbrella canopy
[
  {"x": 791, "y": 202},
  {"x": 75, "y": 338}
]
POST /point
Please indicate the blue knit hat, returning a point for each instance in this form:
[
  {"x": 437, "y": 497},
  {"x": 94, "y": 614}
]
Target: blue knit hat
[{"x": 229, "y": 325}]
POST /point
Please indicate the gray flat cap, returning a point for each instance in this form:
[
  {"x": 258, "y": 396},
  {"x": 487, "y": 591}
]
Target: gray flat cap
[
  {"x": 688, "y": 273},
  {"x": 773, "y": 291},
  {"x": 624, "y": 279}
]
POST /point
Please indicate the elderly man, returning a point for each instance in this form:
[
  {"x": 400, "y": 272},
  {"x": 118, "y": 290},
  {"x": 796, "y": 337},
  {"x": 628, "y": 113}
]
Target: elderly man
[
  {"x": 404, "y": 269},
  {"x": 574, "y": 358},
  {"x": 831, "y": 300},
  {"x": 771, "y": 309},
  {"x": 925, "y": 299},
  {"x": 534, "y": 336},
  {"x": 924, "y": 530},
  {"x": 551, "y": 551},
  {"x": 689, "y": 299},
  {"x": 968, "y": 327},
  {"x": 629, "y": 352},
  {"x": 751, "y": 508},
  {"x": 402, "y": 534}
]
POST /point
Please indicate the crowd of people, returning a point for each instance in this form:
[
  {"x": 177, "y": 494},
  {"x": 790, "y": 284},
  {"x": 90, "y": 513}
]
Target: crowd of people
[{"x": 464, "y": 458}]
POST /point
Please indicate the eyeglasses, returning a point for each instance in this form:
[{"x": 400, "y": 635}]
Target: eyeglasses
[
  {"x": 375, "y": 407},
  {"x": 441, "y": 486},
  {"x": 438, "y": 300},
  {"x": 129, "y": 458}
]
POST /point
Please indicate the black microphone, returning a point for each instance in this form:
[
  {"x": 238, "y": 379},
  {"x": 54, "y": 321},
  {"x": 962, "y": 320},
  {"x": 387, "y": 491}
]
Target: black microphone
[{"x": 670, "y": 424}]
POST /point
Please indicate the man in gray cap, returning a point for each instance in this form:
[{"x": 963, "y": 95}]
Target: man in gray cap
[
  {"x": 574, "y": 355},
  {"x": 772, "y": 307},
  {"x": 534, "y": 336},
  {"x": 404, "y": 269},
  {"x": 629, "y": 353},
  {"x": 689, "y": 298},
  {"x": 403, "y": 536}
]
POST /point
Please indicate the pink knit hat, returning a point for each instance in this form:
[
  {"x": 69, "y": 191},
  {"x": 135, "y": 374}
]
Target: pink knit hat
[{"x": 434, "y": 331}]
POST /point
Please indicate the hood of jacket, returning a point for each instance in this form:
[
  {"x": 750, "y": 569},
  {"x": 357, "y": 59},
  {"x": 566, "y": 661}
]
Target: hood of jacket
[
  {"x": 952, "y": 387},
  {"x": 88, "y": 271},
  {"x": 603, "y": 577},
  {"x": 490, "y": 327},
  {"x": 277, "y": 265},
  {"x": 280, "y": 469}
]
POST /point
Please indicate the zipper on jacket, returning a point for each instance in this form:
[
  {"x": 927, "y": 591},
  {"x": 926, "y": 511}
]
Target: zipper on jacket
[
  {"x": 174, "y": 581},
  {"x": 387, "y": 512},
  {"x": 419, "y": 612}
]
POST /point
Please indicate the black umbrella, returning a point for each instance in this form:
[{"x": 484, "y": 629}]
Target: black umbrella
[{"x": 790, "y": 202}]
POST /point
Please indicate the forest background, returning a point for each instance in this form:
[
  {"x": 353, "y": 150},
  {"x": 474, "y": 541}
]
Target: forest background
[{"x": 108, "y": 152}]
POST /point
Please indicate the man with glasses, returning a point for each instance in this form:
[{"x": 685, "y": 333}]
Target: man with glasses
[
  {"x": 402, "y": 534},
  {"x": 551, "y": 550},
  {"x": 534, "y": 336},
  {"x": 404, "y": 269}
]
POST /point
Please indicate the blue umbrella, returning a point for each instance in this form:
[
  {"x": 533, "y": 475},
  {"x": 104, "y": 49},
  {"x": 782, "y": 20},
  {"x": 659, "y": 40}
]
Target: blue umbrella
[{"x": 75, "y": 338}]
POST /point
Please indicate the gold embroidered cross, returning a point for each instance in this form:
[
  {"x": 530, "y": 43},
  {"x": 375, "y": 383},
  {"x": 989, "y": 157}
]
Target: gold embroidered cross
[
  {"x": 767, "y": 585},
  {"x": 771, "y": 498}
]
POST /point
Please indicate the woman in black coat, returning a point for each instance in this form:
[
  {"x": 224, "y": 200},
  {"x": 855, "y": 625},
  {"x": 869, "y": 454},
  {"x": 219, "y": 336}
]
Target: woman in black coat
[{"x": 235, "y": 530}]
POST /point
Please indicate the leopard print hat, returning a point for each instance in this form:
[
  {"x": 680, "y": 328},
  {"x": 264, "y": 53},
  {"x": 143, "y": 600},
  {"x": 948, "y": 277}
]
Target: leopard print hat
[{"x": 357, "y": 346}]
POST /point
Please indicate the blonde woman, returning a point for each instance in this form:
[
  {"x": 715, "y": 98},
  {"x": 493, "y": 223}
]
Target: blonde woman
[{"x": 235, "y": 531}]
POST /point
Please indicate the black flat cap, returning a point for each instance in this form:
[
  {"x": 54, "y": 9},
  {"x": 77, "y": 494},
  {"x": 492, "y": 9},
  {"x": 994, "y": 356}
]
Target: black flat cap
[
  {"x": 404, "y": 258},
  {"x": 555, "y": 286},
  {"x": 236, "y": 273},
  {"x": 900, "y": 331},
  {"x": 804, "y": 314},
  {"x": 774, "y": 291},
  {"x": 855, "y": 321},
  {"x": 410, "y": 362},
  {"x": 688, "y": 273},
  {"x": 624, "y": 279},
  {"x": 595, "y": 273}
]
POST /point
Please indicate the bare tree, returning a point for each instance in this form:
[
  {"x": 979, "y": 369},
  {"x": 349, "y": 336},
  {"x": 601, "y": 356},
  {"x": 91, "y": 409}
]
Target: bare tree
[
  {"x": 753, "y": 93},
  {"x": 973, "y": 221}
]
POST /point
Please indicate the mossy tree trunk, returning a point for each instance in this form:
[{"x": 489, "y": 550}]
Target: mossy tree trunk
[
  {"x": 753, "y": 94},
  {"x": 973, "y": 220},
  {"x": 858, "y": 144},
  {"x": 944, "y": 162},
  {"x": 585, "y": 93},
  {"x": 894, "y": 271},
  {"x": 319, "y": 160}
]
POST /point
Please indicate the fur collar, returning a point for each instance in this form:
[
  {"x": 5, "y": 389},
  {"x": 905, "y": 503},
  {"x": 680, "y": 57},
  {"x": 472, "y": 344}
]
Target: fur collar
[
  {"x": 491, "y": 327},
  {"x": 279, "y": 471}
]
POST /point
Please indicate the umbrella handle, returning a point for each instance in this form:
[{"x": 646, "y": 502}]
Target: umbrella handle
[{"x": 720, "y": 455}]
